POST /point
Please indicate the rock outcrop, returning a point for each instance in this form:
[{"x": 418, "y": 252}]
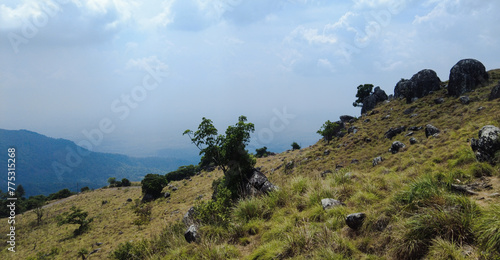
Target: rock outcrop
[
  {"x": 465, "y": 76},
  {"x": 394, "y": 131},
  {"x": 488, "y": 143},
  {"x": 420, "y": 85},
  {"x": 371, "y": 101},
  {"x": 191, "y": 235}
]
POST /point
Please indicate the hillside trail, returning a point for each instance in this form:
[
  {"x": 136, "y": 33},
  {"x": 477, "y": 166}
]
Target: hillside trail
[{"x": 76, "y": 195}]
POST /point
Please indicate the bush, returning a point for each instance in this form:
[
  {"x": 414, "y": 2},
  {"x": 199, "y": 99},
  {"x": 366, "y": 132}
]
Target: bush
[
  {"x": 143, "y": 214},
  {"x": 295, "y": 146},
  {"x": 125, "y": 182},
  {"x": 153, "y": 184},
  {"x": 64, "y": 193},
  {"x": 183, "y": 172},
  {"x": 253, "y": 208},
  {"x": 262, "y": 152},
  {"x": 218, "y": 210},
  {"x": 77, "y": 216},
  {"x": 84, "y": 189}
]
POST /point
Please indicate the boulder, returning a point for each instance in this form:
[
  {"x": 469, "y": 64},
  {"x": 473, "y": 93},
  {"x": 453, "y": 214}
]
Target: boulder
[
  {"x": 465, "y": 100},
  {"x": 488, "y": 143},
  {"x": 495, "y": 92},
  {"x": 415, "y": 128},
  {"x": 394, "y": 131},
  {"x": 396, "y": 146},
  {"x": 413, "y": 140},
  {"x": 466, "y": 76},
  {"x": 129, "y": 200},
  {"x": 346, "y": 118},
  {"x": 431, "y": 130},
  {"x": 377, "y": 160},
  {"x": 330, "y": 203},
  {"x": 439, "y": 101},
  {"x": 355, "y": 221},
  {"x": 420, "y": 85},
  {"x": 352, "y": 129},
  {"x": 166, "y": 195},
  {"x": 326, "y": 152},
  {"x": 191, "y": 234},
  {"x": 258, "y": 184},
  {"x": 189, "y": 217},
  {"x": 371, "y": 101}
]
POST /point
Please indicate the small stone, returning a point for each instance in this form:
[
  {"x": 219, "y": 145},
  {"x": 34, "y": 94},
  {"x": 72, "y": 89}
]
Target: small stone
[
  {"x": 355, "y": 221},
  {"x": 413, "y": 140},
  {"x": 465, "y": 100},
  {"x": 431, "y": 130},
  {"x": 129, "y": 200},
  {"x": 377, "y": 160},
  {"x": 439, "y": 101},
  {"x": 191, "y": 235},
  {"x": 396, "y": 146},
  {"x": 330, "y": 203},
  {"x": 326, "y": 152}
]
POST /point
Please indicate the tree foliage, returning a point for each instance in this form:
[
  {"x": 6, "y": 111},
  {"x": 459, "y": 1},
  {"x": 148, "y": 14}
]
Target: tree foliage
[
  {"x": 153, "y": 184},
  {"x": 328, "y": 130},
  {"x": 295, "y": 146},
  {"x": 76, "y": 216},
  {"x": 226, "y": 151},
  {"x": 363, "y": 92},
  {"x": 183, "y": 172},
  {"x": 262, "y": 152}
]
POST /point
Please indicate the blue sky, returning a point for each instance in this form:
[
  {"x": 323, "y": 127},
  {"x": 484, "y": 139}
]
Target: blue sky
[{"x": 130, "y": 76}]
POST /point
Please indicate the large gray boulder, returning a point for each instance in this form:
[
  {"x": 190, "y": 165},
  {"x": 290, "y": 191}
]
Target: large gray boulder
[
  {"x": 420, "y": 85},
  {"x": 394, "y": 131},
  {"x": 258, "y": 184},
  {"x": 371, "y": 101},
  {"x": 189, "y": 218},
  {"x": 488, "y": 143},
  {"x": 431, "y": 130},
  {"x": 465, "y": 76}
]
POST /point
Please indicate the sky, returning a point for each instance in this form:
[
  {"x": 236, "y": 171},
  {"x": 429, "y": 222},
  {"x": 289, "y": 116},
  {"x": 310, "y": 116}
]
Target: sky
[{"x": 127, "y": 76}]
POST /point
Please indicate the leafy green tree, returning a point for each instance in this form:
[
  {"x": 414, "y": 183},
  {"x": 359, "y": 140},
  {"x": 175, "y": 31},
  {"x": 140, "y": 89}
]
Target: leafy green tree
[
  {"x": 261, "y": 152},
  {"x": 226, "y": 151},
  {"x": 295, "y": 146},
  {"x": 363, "y": 92},
  {"x": 112, "y": 181},
  {"x": 84, "y": 189},
  {"x": 183, "y": 172},
  {"x": 64, "y": 193},
  {"x": 125, "y": 182},
  {"x": 77, "y": 216},
  {"x": 153, "y": 184},
  {"x": 328, "y": 130}
]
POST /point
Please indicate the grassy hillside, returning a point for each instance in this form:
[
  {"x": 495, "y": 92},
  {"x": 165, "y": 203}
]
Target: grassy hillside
[{"x": 412, "y": 211}]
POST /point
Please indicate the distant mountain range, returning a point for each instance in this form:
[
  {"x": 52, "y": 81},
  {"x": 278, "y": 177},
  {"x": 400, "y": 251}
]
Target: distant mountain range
[{"x": 46, "y": 165}]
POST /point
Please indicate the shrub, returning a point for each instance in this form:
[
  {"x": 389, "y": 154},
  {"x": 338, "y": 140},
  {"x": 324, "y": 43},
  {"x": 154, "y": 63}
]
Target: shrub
[
  {"x": 153, "y": 184},
  {"x": 295, "y": 146},
  {"x": 420, "y": 192},
  {"x": 84, "y": 189},
  {"x": 143, "y": 214},
  {"x": 183, "y": 172},
  {"x": 64, "y": 193},
  {"x": 261, "y": 152},
  {"x": 125, "y": 182},
  {"x": 479, "y": 169},
  {"x": 218, "y": 211},
  {"x": 443, "y": 249},
  {"x": 329, "y": 129},
  {"x": 77, "y": 216}
]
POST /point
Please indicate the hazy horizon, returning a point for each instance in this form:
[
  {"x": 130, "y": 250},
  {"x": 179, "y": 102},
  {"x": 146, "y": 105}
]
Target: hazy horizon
[{"x": 129, "y": 77}]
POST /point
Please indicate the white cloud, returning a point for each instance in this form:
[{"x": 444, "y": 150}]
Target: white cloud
[{"x": 146, "y": 63}]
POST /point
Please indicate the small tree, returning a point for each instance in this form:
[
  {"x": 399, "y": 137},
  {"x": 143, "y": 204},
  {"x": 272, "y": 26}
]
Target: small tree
[
  {"x": 84, "y": 189},
  {"x": 295, "y": 146},
  {"x": 125, "y": 182},
  {"x": 363, "y": 92},
  {"x": 77, "y": 216},
  {"x": 328, "y": 130},
  {"x": 39, "y": 214},
  {"x": 20, "y": 191},
  {"x": 153, "y": 184},
  {"x": 112, "y": 181},
  {"x": 226, "y": 151},
  {"x": 261, "y": 152}
]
